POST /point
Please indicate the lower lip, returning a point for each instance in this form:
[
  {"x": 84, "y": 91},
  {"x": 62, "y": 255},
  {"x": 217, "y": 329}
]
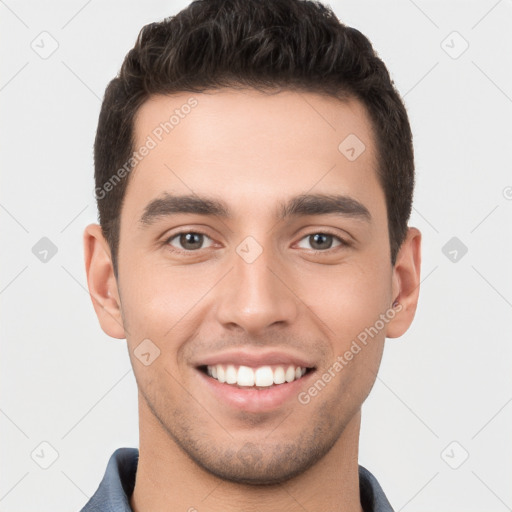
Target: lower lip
[{"x": 255, "y": 400}]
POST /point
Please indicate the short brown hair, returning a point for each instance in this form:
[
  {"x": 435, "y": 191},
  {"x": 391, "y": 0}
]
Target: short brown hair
[{"x": 262, "y": 44}]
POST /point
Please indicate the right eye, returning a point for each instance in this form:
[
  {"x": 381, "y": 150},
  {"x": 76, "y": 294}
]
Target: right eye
[{"x": 188, "y": 241}]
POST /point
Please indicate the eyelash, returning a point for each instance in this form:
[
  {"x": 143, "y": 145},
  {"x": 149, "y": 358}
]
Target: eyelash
[{"x": 342, "y": 242}]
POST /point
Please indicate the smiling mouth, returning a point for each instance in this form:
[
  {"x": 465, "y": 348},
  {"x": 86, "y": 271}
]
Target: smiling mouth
[{"x": 262, "y": 377}]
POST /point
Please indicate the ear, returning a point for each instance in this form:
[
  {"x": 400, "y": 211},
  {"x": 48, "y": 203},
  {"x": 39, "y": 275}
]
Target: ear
[
  {"x": 102, "y": 282},
  {"x": 406, "y": 284}
]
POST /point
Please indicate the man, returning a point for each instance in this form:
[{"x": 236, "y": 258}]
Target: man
[{"x": 254, "y": 176}]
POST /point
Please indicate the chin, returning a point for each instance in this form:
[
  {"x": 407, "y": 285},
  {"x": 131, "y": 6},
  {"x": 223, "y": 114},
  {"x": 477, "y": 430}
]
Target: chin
[{"x": 260, "y": 464}]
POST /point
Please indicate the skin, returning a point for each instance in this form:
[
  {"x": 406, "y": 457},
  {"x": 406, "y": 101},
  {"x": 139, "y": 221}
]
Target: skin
[{"x": 253, "y": 151}]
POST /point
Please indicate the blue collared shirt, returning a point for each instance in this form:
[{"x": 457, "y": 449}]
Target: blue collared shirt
[{"x": 116, "y": 488}]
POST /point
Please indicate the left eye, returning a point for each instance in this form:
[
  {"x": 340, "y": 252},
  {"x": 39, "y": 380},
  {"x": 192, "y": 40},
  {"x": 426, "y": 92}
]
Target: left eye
[
  {"x": 321, "y": 241},
  {"x": 189, "y": 240}
]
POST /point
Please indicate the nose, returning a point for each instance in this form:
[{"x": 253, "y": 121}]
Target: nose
[{"x": 256, "y": 295}]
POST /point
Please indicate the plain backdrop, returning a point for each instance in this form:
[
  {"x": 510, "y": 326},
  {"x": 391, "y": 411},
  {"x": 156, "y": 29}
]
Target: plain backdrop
[{"x": 436, "y": 427}]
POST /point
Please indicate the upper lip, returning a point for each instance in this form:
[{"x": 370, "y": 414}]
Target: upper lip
[{"x": 255, "y": 359}]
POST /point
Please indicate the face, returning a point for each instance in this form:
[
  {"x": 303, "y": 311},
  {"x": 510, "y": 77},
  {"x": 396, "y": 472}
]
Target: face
[{"x": 254, "y": 249}]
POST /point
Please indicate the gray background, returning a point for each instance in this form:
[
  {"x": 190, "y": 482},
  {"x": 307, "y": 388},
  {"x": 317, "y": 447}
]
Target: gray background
[{"x": 444, "y": 390}]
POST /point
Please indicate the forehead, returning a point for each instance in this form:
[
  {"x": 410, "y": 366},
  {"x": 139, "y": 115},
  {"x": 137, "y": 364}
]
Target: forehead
[{"x": 249, "y": 145}]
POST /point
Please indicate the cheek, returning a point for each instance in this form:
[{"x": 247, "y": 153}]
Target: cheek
[
  {"x": 159, "y": 302},
  {"x": 350, "y": 303},
  {"x": 348, "y": 299}
]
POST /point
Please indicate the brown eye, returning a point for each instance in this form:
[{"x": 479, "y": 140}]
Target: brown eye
[
  {"x": 321, "y": 241},
  {"x": 188, "y": 241}
]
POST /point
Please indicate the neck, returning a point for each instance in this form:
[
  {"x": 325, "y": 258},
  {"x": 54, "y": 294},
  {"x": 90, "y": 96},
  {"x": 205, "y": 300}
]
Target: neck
[{"x": 167, "y": 479}]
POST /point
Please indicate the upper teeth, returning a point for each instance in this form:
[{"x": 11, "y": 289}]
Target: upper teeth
[{"x": 262, "y": 376}]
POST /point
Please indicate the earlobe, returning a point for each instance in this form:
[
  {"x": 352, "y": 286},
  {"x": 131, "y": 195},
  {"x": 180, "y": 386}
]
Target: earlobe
[
  {"x": 406, "y": 284},
  {"x": 102, "y": 282}
]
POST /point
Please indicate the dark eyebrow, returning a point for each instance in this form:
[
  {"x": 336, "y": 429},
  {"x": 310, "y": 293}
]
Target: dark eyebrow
[
  {"x": 321, "y": 204},
  {"x": 302, "y": 205},
  {"x": 167, "y": 205}
]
